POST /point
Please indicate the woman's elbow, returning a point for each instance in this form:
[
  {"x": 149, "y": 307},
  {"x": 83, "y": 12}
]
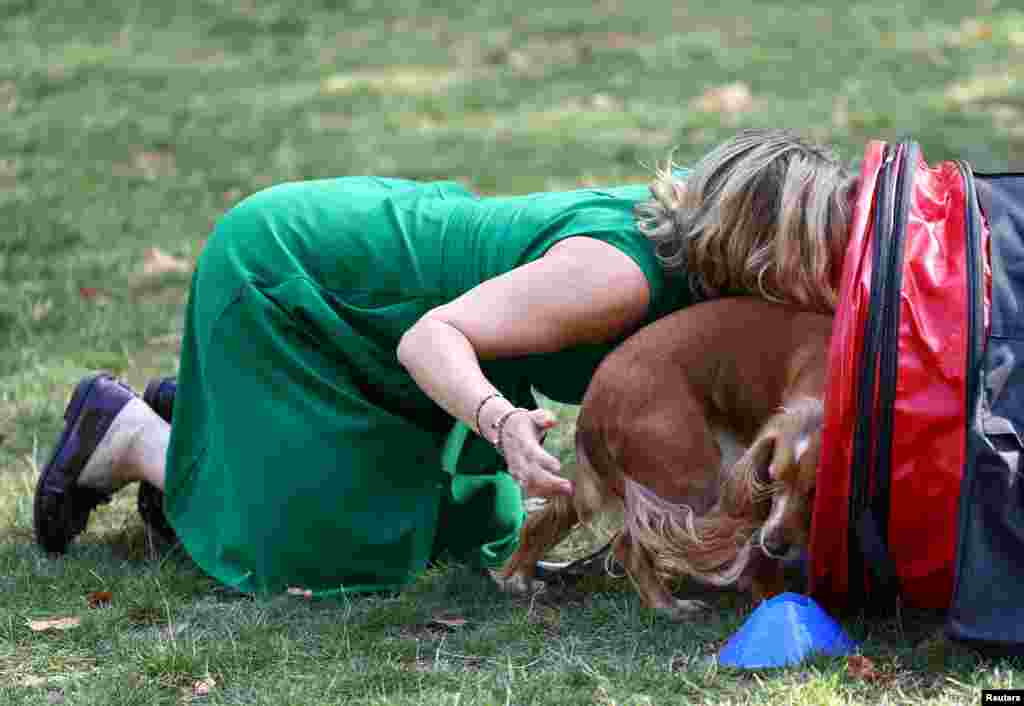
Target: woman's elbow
[{"x": 417, "y": 338}]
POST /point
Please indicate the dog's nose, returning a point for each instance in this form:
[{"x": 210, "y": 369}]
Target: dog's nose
[{"x": 775, "y": 548}]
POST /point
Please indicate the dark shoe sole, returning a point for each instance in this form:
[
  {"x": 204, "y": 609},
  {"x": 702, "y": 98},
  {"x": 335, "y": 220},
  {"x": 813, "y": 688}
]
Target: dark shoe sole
[{"x": 61, "y": 509}]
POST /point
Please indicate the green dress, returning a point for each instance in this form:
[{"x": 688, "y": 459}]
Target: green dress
[{"x": 302, "y": 453}]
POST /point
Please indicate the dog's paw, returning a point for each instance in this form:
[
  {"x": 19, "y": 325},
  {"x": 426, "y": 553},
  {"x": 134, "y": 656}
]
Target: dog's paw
[
  {"x": 688, "y": 611},
  {"x": 517, "y": 584}
]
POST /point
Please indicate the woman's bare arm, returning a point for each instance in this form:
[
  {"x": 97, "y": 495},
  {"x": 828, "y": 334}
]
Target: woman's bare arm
[{"x": 582, "y": 291}]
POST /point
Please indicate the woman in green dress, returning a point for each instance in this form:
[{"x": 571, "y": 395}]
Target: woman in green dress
[{"x": 342, "y": 335}]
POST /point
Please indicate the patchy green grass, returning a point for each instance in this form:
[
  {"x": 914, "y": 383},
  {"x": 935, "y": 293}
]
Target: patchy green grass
[{"x": 126, "y": 126}]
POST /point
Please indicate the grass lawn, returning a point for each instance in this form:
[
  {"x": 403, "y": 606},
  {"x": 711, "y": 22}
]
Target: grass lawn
[{"x": 130, "y": 126}]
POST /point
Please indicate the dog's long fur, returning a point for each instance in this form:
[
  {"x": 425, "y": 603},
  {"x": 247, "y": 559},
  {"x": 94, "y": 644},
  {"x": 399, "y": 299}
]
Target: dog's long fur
[
  {"x": 717, "y": 547},
  {"x": 648, "y": 437}
]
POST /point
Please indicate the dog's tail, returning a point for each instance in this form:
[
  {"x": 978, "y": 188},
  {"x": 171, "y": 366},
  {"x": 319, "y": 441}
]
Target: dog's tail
[
  {"x": 714, "y": 548},
  {"x": 542, "y": 530}
]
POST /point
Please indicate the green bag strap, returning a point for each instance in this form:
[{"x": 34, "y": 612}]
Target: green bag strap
[{"x": 453, "y": 446}]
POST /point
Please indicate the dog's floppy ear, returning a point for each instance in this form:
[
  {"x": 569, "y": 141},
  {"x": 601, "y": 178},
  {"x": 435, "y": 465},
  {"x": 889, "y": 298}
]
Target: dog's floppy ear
[{"x": 748, "y": 481}]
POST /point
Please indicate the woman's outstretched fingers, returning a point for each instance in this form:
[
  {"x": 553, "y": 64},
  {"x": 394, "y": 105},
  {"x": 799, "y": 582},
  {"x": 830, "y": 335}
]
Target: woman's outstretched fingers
[
  {"x": 542, "y": 484},
  {"x": 528, "y": 462}
]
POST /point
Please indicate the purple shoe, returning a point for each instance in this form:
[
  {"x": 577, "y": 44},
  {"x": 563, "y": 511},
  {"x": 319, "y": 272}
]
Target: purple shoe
[
  {"x": 159, "y": 395},
  {"x": 62, "y": 508}
]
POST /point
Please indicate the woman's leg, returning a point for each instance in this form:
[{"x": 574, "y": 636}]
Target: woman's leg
[
  {"x": 133, "y": 449},
  {"x": 110, "y": 438}
]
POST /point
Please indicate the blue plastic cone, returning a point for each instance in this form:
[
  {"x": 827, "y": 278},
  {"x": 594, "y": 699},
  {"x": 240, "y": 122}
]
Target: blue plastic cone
[{"x": 784, "y": 631}]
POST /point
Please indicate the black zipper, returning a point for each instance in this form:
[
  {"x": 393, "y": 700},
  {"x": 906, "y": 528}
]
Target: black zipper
[
  {"x": 872, "y": 463},
  {"x": 889, "y": 348},
  {"x": 975, "y": 356},
  {"x": 863, "y": 432}
]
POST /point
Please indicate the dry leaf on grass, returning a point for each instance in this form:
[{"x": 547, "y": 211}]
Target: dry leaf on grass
[
  {"x": 603, "y": 101},
  {"x": 156, "y": 262},
  {"x": 971, "y": 31},
  {"x": 99, "y": 599},
  {"x": 730, "y": 99},
  {"x": 45, "y": 624},
  {"x": 41, "y": 309},
  {"x": 447, "y": 622},
  {"x": 601, "y": 697},
  {"x": 203, "y": 686},
  {"x": 860, "y": 667},
  {"x": 168, "y": 339},
  {"x": 147, "y": 164},
  {"x": 199, "y": 689},
  {"x": 31, "y": 681},
  {"x": 841, "y": 112},
  {"x": 8, "y": 96},
  {"x": 982, "y": 88},
  {"x": 94, "y": 294},
  {"x": 405, "y": 80},
  {"x": 8, "y": 174}
]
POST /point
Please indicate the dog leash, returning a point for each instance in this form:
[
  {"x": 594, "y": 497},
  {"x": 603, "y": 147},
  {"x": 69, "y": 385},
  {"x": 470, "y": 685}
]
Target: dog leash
[{"x": 598, "y": 563}]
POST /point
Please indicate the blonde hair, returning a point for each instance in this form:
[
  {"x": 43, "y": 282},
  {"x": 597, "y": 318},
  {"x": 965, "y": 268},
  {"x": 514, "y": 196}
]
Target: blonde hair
[{"x": 765, "y": 213}]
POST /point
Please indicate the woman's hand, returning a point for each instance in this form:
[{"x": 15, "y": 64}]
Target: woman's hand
[
  {"x": 532, "y": 467},
  {"x": 583, "y": 291}
]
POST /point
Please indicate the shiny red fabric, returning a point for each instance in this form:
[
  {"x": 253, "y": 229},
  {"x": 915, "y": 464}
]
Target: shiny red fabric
[{"x": 928, "y": 417}]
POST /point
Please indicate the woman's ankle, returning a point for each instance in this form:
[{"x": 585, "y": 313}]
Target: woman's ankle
[{"x": 122, "y": 453}]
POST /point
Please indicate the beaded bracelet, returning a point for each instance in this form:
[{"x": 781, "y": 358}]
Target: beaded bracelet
[
  {"x": 480, "y": 408},
  {"x": 500, "y": 426}
]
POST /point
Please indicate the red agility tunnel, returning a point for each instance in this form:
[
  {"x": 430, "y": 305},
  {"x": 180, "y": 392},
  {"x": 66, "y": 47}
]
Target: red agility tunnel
[{"x": 917, "y": 499}]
